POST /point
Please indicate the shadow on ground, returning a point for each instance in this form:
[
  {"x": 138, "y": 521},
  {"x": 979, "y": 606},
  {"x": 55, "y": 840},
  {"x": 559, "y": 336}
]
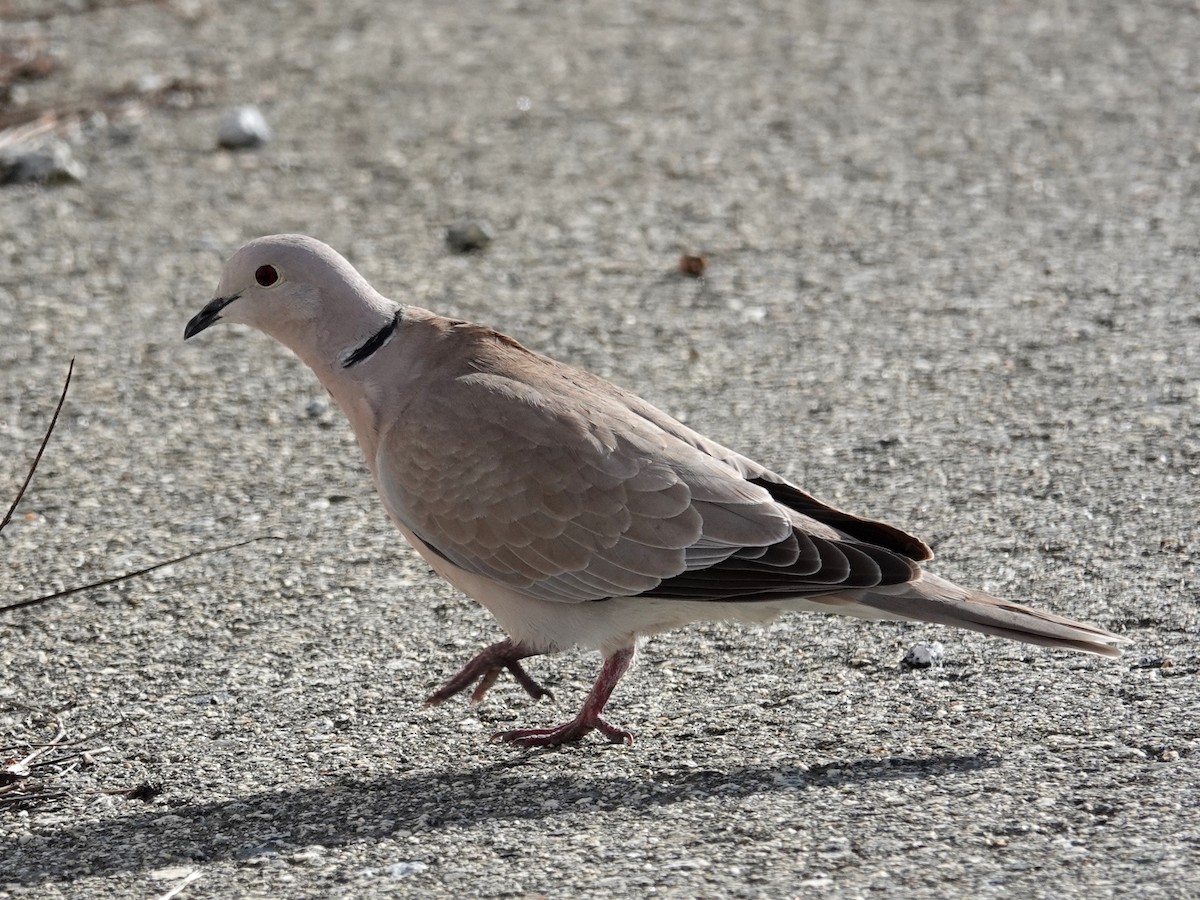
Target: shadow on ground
[{"x": 346, "y": 811}]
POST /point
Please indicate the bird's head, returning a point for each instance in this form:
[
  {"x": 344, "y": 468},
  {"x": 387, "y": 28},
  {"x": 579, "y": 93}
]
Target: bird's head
[{"x": 300, "y": 292}]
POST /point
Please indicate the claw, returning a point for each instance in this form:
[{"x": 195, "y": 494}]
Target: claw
[
  {"x": 574, "y": 730},
  {"x": 485, "y": 667},
  {"x": 587, "y": 721}
]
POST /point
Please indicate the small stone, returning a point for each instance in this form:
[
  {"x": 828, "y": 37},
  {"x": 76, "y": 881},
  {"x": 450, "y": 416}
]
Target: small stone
[
  {"x": 401, "y": 869},
  {"x": 923, "y": 655},
  {"x": 149, "y": 83},
  {"x": 317, "y": 407},
  {"x": 469, "y": 237},
  {"x": 243, "y": 128},
  {"x": 49, "y": 164},
  {"x": 693, "y": 266}
]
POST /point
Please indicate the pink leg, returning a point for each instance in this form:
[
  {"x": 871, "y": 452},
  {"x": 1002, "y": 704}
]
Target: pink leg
[
  {"x": 589, "y": 717},
  {"x": 485, "y": 668}
]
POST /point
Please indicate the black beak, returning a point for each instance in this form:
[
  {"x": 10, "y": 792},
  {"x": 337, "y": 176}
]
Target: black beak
[{"x": 207, "y": 316}]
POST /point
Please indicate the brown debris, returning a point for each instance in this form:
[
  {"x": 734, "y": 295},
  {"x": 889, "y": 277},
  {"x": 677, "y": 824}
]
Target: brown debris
[{"x": 693, "y": 266}]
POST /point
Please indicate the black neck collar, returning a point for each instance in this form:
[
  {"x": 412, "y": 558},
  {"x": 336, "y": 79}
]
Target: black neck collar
[{"x": 374, "y": 342}]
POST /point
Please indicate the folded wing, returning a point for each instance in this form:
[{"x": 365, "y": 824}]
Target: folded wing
[{"x": 559, "y": 484}]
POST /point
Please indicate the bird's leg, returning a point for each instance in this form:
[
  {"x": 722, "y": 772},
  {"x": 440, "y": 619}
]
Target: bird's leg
[
  {"x": 589, "y": 717},
  {"x": 485, "y": 667}
]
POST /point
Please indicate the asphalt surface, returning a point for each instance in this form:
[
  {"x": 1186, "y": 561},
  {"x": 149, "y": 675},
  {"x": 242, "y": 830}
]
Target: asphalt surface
[{"x": 952, "y": 255}]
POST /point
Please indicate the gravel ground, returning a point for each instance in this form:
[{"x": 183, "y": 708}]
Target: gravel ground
[{"x": 951, "y": 282}]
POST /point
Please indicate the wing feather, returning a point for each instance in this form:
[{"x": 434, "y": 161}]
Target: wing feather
[{"x": 565, "y": 487}]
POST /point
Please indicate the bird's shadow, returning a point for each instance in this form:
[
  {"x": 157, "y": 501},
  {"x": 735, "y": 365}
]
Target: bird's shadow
[
  {"x": 351, "y": 810},
  {"x": 348, "y": 810}
]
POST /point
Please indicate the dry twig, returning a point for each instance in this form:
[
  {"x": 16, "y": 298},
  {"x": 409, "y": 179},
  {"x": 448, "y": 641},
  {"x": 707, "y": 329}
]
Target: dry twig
[
  {"x": 42, "y": 449},
  {"x": 33, "y": 601},
  {"x": 21, "y": 783}
]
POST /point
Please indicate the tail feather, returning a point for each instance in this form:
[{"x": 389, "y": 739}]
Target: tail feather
[{"x": 933, "y": 599}]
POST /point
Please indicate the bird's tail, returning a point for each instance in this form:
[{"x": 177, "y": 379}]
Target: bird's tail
[{"x": 932, "y": 599}]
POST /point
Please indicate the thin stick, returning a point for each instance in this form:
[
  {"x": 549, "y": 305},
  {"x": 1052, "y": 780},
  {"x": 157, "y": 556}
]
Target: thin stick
[
  {"x": 20, "y": 768},
  {"x": 42, "y": 449},
  {"x": 107, "y": 581},
  {"x": 191, "y": 876},
  {"x": 23, "y": 792},
  {"x": 84, "y": 756},
  {"x": 104, "y": 729}
]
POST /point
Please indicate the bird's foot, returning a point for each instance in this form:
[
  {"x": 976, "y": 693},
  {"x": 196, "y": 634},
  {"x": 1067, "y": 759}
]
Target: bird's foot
[
  {"x": 485, "y": 667},
  {"x": 574, "y": 730},
  {"x": 588, "y": 719}
]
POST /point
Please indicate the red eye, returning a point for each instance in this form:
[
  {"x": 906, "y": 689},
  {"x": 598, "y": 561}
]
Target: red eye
[{"x": 266, "y": 275}]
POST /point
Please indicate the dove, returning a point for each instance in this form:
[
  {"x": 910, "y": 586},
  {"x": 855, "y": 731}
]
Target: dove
[{"x": 576, "y": 513}]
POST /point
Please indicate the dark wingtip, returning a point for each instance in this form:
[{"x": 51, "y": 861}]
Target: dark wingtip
[{"x": 869, "y": 531}]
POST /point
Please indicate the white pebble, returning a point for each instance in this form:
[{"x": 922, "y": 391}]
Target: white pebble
[{"x": 243, "y": 127}]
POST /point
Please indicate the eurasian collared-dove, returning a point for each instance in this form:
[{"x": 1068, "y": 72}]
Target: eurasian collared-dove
[{"x": 576, "y": 512}]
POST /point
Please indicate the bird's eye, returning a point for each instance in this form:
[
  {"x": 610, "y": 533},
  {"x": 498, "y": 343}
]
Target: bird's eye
[{"x": 266, "y": 275}]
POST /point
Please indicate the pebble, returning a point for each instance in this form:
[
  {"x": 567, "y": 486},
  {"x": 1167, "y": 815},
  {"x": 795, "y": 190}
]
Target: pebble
[
  {"x": 243, "y": 128},
  {"x": 49, "y": 164},
  {"x": 923, "y": 655},
  {"x": 693, "y": 266},
  {"x": 469, "y": 237},
  {"x": 401, "y": 869}
]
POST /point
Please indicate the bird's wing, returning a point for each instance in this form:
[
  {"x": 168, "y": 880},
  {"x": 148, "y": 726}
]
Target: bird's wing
[
  {"x": 556, "y": 483},
  {"x": 859, "y": 528}
]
